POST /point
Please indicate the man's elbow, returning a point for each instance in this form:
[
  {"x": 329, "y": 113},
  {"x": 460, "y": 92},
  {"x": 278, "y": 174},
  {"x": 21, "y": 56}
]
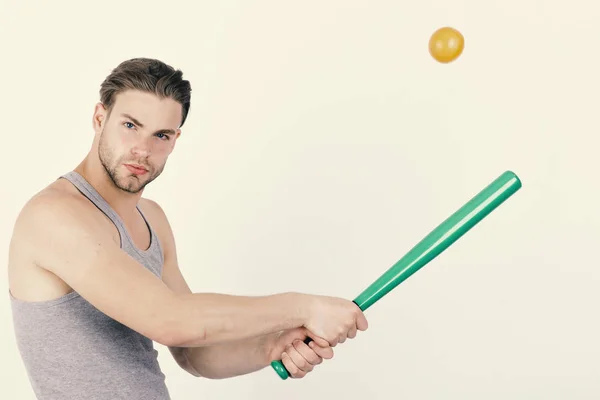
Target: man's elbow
[{"x": 180, "y": 354}]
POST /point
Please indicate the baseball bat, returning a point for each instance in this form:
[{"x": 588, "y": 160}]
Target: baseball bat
[{"x": 438, "y": 240}]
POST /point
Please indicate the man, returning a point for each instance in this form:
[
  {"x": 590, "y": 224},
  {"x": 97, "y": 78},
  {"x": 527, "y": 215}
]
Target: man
[{"x": 94, "y": 277}]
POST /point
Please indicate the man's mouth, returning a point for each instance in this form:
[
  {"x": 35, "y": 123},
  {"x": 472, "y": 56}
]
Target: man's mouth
[{"x": 136, "y": 169}]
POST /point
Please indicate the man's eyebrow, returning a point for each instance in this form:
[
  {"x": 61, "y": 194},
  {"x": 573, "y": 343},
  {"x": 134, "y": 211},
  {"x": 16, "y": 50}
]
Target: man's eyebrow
[
  {"x": 138, "y": 123},
  {"x": 135, "y": 121}
]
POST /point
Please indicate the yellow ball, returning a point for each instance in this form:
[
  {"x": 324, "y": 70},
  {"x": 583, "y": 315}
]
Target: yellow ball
[{"x": 446, "y": 44}]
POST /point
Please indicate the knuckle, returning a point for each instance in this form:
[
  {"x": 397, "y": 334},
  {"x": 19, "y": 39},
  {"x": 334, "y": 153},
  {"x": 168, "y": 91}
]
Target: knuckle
[
  {"x": 299, "y": 374},
  {"x": 293, "y": 369}
]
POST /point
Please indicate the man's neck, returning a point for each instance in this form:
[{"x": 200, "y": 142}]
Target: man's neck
[{"x": 122, "y": 202}]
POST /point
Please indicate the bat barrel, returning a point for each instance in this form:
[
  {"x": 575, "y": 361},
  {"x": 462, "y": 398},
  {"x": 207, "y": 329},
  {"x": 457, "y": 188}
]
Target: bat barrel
[{"x": 448, "y": 232}]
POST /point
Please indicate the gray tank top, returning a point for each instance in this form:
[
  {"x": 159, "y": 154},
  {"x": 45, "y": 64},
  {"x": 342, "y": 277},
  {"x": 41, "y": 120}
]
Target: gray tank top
[{"x": 72, "y": 351}]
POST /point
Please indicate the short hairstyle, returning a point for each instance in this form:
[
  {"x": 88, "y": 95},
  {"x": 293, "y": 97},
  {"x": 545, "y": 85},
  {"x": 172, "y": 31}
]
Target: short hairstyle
[{"x": 148, "y": 75}]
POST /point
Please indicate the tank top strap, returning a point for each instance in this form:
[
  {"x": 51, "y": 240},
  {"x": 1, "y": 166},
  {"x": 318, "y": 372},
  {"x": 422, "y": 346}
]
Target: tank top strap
[
  {"x": 126, "y": 242},
  {"x": 153, "y": 256},
  {"x": 92, "y": 194}
]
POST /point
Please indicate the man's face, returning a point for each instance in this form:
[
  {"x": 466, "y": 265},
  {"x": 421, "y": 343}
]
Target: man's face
[{"x": 137, "y": 138}]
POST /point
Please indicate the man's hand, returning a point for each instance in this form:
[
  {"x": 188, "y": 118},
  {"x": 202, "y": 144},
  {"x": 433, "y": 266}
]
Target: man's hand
[
  {"x": 298, "y": 357},
  {"x": 333, "y": 320}
]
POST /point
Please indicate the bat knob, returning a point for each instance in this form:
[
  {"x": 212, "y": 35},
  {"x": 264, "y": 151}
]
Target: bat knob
[{"x": 280, "y": 369}]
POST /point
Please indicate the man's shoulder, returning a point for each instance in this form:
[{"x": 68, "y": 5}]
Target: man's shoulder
[
  {"x": 56, "y": 205},
  {"x": 157, "y": 217},
  {"x": 148, "y": 205},
  {"x": 52, "y": 219},
  {"x": 52, "y": 199},
  {"x": 153, "y": 211}
]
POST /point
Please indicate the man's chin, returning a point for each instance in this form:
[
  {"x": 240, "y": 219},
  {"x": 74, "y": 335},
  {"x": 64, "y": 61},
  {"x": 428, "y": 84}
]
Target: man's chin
[{"x": 132, "y": 184}]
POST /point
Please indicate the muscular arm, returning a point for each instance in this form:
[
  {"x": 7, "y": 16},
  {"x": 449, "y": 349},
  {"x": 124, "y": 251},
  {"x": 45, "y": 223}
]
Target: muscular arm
[
  {"x": 60, "y": 234},
  {"x": 220, "y": 360}
]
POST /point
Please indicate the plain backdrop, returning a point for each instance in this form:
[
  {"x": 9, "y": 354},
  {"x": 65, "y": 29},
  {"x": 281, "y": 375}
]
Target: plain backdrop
[{"x": 323, "y": 143}]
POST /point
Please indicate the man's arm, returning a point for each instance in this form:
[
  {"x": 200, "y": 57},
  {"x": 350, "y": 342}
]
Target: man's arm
[
  {"x": 217, "y": 361},
  {"x": 220, "y": 360},
  {"x": 233, "y": 358},
  {"x": 61, "y": 235}
]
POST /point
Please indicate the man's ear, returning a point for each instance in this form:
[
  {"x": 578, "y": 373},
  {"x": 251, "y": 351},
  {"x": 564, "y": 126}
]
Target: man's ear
[
  {"x": 174, "y": 141},
  {"x": 99, "y": 117}
]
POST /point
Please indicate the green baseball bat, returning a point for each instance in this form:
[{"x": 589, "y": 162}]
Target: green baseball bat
[{"x": 433, "y": 244}]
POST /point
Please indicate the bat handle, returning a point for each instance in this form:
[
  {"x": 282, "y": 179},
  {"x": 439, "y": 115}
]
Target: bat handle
[
  {"x": 280, "y": 368},
  {"x": 278, "y": 365}
]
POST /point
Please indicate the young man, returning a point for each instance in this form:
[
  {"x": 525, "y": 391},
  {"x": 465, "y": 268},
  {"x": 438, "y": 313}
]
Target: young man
[{"x": 94, "y": 278}]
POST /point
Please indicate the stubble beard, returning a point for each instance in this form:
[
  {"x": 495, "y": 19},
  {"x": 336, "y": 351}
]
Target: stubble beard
[{"x": 128, "y": 183}]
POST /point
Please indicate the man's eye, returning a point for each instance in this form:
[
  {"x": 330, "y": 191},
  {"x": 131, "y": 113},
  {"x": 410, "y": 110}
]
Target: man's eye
[
  {"x": 162, "y": 136},
  {"x": 129, "y": 125}
]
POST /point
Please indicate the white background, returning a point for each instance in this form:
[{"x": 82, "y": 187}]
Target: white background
[{"x": 323, "y": 143}]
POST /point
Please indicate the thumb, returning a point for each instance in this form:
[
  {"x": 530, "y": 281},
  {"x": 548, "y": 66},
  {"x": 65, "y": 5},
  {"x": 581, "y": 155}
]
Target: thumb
[
  {"x": 319, "y": 341},
  {"x": 361, "y": 322}
]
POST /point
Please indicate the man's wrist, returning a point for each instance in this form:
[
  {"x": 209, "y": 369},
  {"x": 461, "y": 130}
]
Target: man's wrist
[
  {"x": 297, "y": 305},
  {"x": 267, "y": 346}
]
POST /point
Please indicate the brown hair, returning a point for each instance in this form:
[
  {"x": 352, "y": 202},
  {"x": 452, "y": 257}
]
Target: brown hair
[{"x": 149, "y": 75}]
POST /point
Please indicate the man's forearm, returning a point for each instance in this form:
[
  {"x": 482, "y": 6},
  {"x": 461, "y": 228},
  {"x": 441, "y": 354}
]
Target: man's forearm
[
  {"x": 206, "y": 319},
  {"x": 229, "y": 359}
]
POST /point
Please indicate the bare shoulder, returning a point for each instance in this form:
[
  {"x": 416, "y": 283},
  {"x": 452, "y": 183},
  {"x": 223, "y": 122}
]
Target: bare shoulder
[
  {"x": 160, "y": 223},
  {"x": 157, "y": 217},
  {"x": 56, "y": 212},
  {"x": 58, "y": 206},
  {"x": 44, "y": 207},
  {"x": 172, "y": 275},
  {"x": 153, "y": 211}
]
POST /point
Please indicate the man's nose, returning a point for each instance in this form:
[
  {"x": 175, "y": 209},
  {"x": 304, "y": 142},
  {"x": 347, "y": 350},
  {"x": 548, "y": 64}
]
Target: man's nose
[{"x": 142, "y": 148}]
